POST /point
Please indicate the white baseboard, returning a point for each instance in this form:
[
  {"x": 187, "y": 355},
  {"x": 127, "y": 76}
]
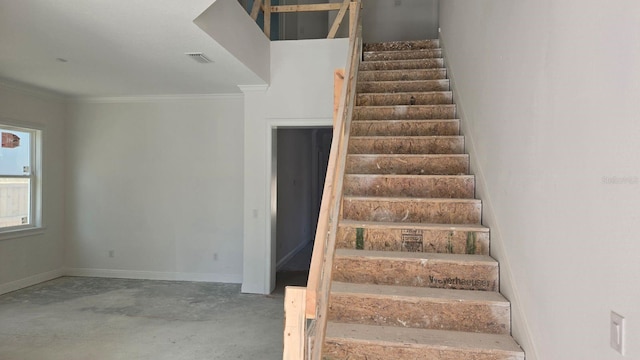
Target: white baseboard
[
  {"x": 291, "y": 254},
  {"x": 154, "y": 275},
  {"x": 31, "y": 280}
]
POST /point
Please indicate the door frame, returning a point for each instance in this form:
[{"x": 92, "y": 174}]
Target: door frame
[{"x": 270, "y": 181}]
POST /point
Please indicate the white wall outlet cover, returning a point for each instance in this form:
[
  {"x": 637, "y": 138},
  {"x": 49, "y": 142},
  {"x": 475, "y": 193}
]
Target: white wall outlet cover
[{"x": 617, "y": 332}]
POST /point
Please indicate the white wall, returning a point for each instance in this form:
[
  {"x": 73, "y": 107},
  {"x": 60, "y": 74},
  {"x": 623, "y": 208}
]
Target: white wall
[
  {"x": 28, "y": 260},
  {"x": 548, "y": 92},
  {"x": 228, "y": 23},
  {"x": 158, "y": 182},
  {"x": 388, "y": 20},
  {"x": 300, "y": 94}
]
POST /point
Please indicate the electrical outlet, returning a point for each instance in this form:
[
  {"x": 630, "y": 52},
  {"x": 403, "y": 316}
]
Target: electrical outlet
[
  {"x": 112, "y": 253},
  {"x": 617, "y": 332}
]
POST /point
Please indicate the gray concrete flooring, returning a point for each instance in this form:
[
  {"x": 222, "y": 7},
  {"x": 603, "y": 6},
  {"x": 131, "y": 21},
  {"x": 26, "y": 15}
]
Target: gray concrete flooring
[{"x": 95, "y": 318}]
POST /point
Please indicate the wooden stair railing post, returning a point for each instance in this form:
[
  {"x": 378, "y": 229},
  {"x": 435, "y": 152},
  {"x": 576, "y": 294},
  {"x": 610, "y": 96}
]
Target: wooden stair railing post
[
  {"x": 295, "y": 323},
  {"x": 338, "y": 155}
]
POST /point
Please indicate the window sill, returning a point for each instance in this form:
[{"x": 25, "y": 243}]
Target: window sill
[{"x": 18, "y": 233}]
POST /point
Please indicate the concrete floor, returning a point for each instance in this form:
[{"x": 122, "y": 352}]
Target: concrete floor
[{"x": 96, "y": 318}]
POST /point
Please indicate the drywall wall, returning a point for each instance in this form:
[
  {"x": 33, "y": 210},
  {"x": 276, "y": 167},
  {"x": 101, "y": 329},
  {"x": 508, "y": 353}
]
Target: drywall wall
[
  {"x": 28, "y": 260},
  {"x": 154, "y": 188},
  {"x": 388, "y": 20},
  {"x": 228, "y": 23},
  {"x": 300, "y": 94},
  {"x": 548, "y": 92}
]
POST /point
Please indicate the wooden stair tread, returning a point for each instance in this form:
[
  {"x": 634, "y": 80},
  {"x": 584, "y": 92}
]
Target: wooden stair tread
[
  {"x": 408, "y": 292},
  {"x": 409, "y": 176},
  {"x": 419, "y": 226},
  {"x": 411, "y": 199},
  {"x": 401, "y": 71},
  {"x": 406, "y": 137},
  {"x": 399, "y": 336},
  {"x": 405, "y": 92},
  {"x": 386, "y": 82},
  {"x": 425, "y": 257}
]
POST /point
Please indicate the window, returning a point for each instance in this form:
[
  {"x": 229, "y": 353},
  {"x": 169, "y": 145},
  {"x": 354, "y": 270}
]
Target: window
[{"x": 20, "y": 178}]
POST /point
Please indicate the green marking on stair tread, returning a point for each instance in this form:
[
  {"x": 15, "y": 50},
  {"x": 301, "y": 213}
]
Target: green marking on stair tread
[
  {"x": 471, "y": 242},
  {"x": 449, "y": 243},
  {"x": 359, "y": 238}
]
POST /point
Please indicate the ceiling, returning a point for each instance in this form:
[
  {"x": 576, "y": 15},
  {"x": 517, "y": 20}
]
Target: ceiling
[{"x": 114, "y": 48}]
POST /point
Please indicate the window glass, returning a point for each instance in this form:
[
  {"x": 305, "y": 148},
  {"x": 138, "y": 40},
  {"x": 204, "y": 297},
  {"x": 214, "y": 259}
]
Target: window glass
[
  {"x": 15, "y": 153},
  {"x": 17, "y": 177}
]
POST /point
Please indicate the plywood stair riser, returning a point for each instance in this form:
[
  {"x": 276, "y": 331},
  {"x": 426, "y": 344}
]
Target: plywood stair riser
[
  {"x": 402, "y": 64},
  {"x": 402, "y": 86},
  {"x": 426, "y": 308},
  {"x": 447, "y": 271},
  {"x": 406, "y": 145},
  {"x": 405, "y": 98},
  {"x": 401, "y": 55},
  {"x": 402, "y": 45},
  {"x": 447, "y": 127},
  {"x": 391, "y": 75},
  {"x": 412, "y": 274},
  {"x": 424, "y": 186},
  {"x": 428, "y": 210},
  {"x": 430, "y": 238},
  {"x": 449, "y": 164}
]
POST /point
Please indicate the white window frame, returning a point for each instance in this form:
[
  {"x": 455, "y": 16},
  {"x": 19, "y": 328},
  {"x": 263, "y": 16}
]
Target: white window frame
[{"x": 35, "y": 224}]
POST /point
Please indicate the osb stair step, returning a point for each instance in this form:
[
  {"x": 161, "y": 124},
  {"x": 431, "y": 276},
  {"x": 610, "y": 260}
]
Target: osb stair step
[
  {"x": 416, "y": 307},
  {"x": 402, "y": 86},
  {"x": 401, "y": 54},
  {"x": 413, "y": 237},
  {"x": 404, "y": 112},
  {"x": 371, "y": 342},
  {"x": 444, "y": 127},
  {"x": 402, "y": 64},
  {"x": 408, "y": 98},
  {"x": 402, "y": 45},
  {"x": 423, "y": 186},
  {"x": 391, "y": 75},
  {"x": 402, "y": 209},
  {"x": 433, "y": 164},
  {"x": 447, "y": 271},
  {"x": 406, "y": 145}
]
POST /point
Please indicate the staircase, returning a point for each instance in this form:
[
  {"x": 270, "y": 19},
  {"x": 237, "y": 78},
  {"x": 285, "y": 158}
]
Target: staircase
[{"x": 412, "y": 276}]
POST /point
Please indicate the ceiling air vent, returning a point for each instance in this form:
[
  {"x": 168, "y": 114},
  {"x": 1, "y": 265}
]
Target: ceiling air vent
[{"x": 199, "y": 57}]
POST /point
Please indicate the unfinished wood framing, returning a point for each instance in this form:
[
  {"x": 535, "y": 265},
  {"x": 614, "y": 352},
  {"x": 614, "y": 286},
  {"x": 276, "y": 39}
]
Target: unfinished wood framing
[
  {"x": 338, "y": 79},
  {"x": 267, "y": 9},
  {"x": 257, "y": 6},
  {"x": 338, "y": 20},
  {"x": 305, "y": 8},
  {"x": 267, "y": 18},
  {"x": 295, "y": 323}
]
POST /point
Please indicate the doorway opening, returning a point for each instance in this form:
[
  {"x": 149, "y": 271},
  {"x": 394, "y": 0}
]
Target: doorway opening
[{"x": 301, "y": 156}]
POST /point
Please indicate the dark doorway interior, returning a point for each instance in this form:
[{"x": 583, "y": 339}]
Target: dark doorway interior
[{"x": 302, "y": 158}]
